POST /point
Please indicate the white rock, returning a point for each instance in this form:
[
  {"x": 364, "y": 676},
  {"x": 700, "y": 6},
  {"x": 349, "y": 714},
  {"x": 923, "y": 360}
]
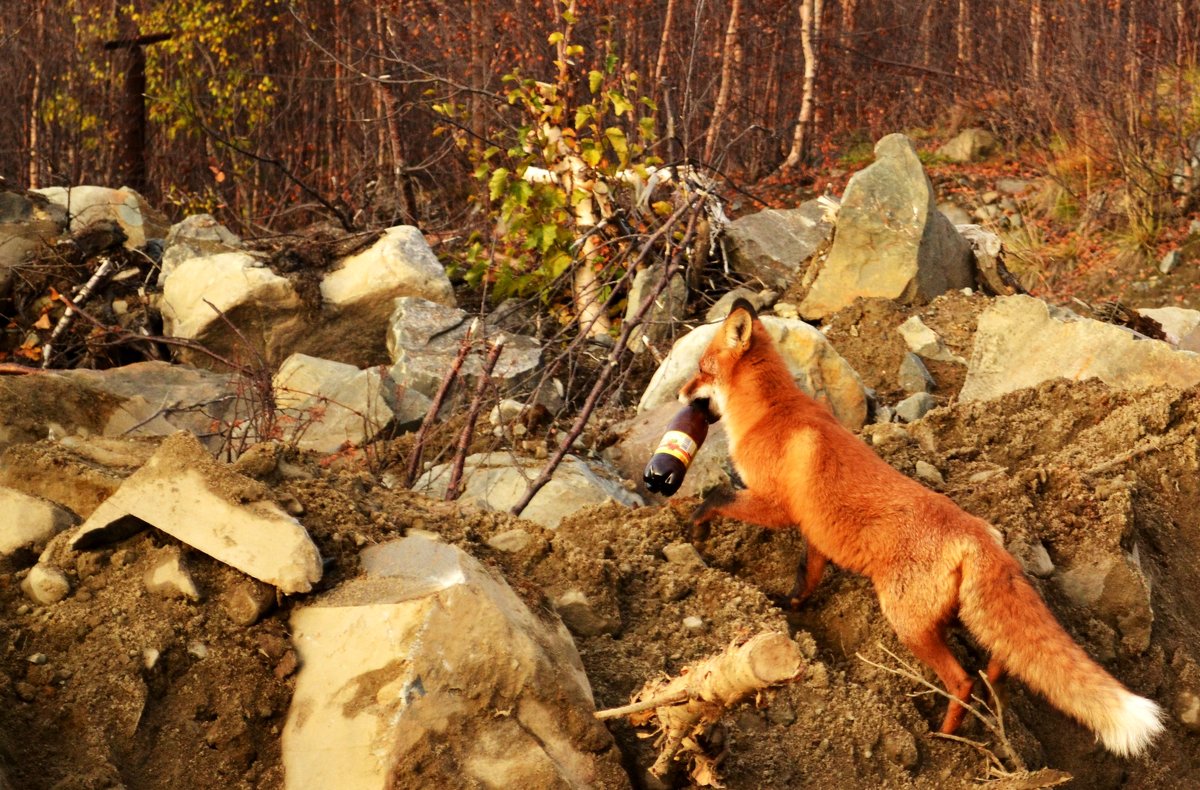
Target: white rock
[
  {"x": 1177, "y": 322},
  {"x": 167, "y": 577},
  {"x": 430, "y": 671},
  {"x": 228, "y": 281},
  {"x": 924, "y": 342},
  {"x": 400, "y": 263},
  {"x": 817, "y": 368},
  {"x": 45, "y": 585},
  {"x": 28, "y": 521},
  {"x": 185, "y": 492},
  {"x": 87, "y": 204}
]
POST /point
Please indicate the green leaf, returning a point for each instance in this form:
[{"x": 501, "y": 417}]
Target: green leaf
[
  {"x": 585, "y": 113},
  {"x": 610, "y": 63},
  {"x": 557, "y": 263},
  {"x": 547, "y": 234},
  {"x": 590, "y": 152},
  {"x": 595, "y": 80},
  {"x": 520, "y": 191},
  {"x": 616, "y": 138},
  {"x": 497, "y": 182},
  {"x": 621, "y": 105}
]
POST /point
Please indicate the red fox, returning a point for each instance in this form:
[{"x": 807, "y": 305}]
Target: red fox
[{"x": 928, "y": 559}]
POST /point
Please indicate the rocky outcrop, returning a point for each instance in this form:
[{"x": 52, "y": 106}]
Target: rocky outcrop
[
  {"x": 428, "y": 643},
  {"x": 817, "y": 368},
  {"x": 891, "y": 240},
  {"x": 1067, "y": 346},
  {"x": 196, "y": 236},
  {"x": 86, "y": 205}
]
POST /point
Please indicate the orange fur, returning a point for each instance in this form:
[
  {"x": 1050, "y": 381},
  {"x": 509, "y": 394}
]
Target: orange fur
[{"x": 929, "y": 560}]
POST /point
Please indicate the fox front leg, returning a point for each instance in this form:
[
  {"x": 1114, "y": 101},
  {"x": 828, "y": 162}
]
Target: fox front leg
[{"x": 744, "y": 505}]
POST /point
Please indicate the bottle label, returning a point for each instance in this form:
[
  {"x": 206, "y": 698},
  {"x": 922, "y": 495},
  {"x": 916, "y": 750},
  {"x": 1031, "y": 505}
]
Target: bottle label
[{"x": 678, "y": 444}]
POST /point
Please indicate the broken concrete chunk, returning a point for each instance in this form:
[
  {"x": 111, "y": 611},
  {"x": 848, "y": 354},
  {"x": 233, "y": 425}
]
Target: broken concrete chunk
[
  {"x": 427, "y": 642},
  {"x": 185, "y": 492}
]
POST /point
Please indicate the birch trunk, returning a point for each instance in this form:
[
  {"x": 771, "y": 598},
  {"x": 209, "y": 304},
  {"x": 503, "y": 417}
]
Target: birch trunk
[
  {"x": 809, "y": 9},
  {"x": 728, "y": 57}
]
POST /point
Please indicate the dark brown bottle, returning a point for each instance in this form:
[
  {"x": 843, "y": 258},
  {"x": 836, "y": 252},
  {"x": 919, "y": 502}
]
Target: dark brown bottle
[{"x": 685, "y": 433}]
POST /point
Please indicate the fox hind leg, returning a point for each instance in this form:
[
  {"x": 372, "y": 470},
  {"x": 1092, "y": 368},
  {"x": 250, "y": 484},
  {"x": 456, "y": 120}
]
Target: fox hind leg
[{"x": 808, "y": 576}]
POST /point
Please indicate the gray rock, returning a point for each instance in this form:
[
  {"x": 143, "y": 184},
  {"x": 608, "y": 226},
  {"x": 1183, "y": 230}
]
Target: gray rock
[
  {"x": 1013, "y": 186},
  {"x": 185, "y": 492},
  {"x": 497, "y": 481},
  {"x": 424, "y": 338},
  {"x": 684, "y": 555},
  {"x": 817, "y": 368},
  {"x": 387, "y": 678},
  {"x": 333, "y": 405},
  {"x": 581, "y": 617},
  {"x": 913, "y": 375},
  {"x": 1068, "y": 346},
  {"x": 247, "y": 600},
  {"x": 28, "y": 222},
  {"x": 775, "y": 245},
  {"x": 924, "y": 342},
  {"x": 659, "y": 322},
  {"x": 28, "y": 522},
  {"x": 1117, "y": 590},
  {"x": 914, "y": 407},
  {"x": 891, "y": 240},
  {"x": 969, "y": 145}
]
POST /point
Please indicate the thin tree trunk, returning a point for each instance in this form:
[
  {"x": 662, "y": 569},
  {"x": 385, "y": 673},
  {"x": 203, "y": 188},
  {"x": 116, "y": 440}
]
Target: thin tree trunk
[
  {"x": 1037, "y": 23},
  {"x": 35, "y": 99},
  {"x": 728, "y": 56},
  {"x": 480, "y": 39},
  {"x": 660, "y": 65},
  {"x": 801, "y": 137},
  {"x": 962, "y": 34}
]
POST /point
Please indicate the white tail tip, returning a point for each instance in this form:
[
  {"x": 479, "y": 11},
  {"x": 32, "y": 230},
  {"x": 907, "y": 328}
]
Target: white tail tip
[{"x": 1133, "y": 726}]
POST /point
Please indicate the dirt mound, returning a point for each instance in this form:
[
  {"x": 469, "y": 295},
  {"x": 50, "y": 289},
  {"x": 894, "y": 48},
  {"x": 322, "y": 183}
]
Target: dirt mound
[{"x": 115, "y": 685}]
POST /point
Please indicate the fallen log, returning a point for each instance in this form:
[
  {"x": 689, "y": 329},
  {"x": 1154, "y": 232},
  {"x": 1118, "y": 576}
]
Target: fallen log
[{"x": 684, "y": 707}]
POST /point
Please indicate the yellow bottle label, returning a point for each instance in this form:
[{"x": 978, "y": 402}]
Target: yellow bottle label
[{"x": 678, "y": 444}]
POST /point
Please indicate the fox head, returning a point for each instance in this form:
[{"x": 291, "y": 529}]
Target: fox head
[{"x": 713, "y": 381}]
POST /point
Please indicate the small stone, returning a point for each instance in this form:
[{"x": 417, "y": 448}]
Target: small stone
[
  {"x": 1033, "y": 558},
  {"x": 693, "y": 623},
  {"x": 510, "y": 541},
  {"x": 1170, "y": 261},
  {"x": 781, "y": 713},
  {"x": 786, "y": 310},
  {"x": 1187, "y": 707},
  {"x": 287, "y": 665},
  {"x": 914, "y": 376},
  {"x": 38, "y": 659},
  {"x": 929, "y": 473},
  {"x": 197, "y": 650},
  {"x": 24, "y": 609},
  {"x": 579, "y": 616},
  {"x": 884, "y": 414},
  {"x": 45, "y": 585},
  {"x": 25, "y": 691},
  {"x": 914, "y": 407},
  {"x": 924, "y": 342},
  {"x": 246, "y": 601},
  {"x": 989, "y": 197},
  {"x": 259, "y": 461},
  {"x": 900, "y": 747},
  {"x": 684, "y": 554}
]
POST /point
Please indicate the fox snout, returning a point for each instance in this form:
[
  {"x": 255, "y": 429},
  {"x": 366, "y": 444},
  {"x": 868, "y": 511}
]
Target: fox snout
[{"x": 698, "y": 392}]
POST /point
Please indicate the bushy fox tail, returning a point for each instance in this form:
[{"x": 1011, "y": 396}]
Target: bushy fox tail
[{"x": 1006, "y": 615}]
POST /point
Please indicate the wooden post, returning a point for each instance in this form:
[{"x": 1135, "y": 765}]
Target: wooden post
[{"x": 133, "y": 114}]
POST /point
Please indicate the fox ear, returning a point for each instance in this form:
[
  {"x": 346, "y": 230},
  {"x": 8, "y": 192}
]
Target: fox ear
[
  {"x": 742, "y": 304},
  {"x": 739, "y": 326}
]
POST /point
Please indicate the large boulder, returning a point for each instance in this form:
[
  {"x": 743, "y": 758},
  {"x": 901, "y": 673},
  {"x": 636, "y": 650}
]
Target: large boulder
[
  {"x": 428, "y": 671},
  {"x": 1022, "y": 341},
  {"x": 815, "y": 365},
  {"x": 86, "y": 205},
  {"x": 329, "y": 405},
  {"x": 638, "y": 437},
  {"x": 206, "y": 298},
  {"x": 424, "y": 337},
  {"x": 185, "y": 492},
  {"x": 497, "y": 481},
  {"x": 891, "y": 241},
  {"x": 665, "y": 312},
  {"x": 775, "y": 245}
]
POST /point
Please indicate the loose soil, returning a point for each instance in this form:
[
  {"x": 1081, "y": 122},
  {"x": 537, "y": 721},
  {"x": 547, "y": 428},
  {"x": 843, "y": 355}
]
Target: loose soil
[{"x": 116, "y": 687}]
